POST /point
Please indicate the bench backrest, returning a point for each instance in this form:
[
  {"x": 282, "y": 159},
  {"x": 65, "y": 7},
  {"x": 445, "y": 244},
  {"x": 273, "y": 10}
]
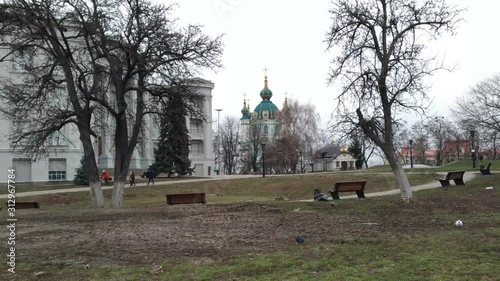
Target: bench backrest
[
  {"x": 186, "y": 198},
  {"x": 455, "y": 175},
  {"x": 349, "y": 186}
]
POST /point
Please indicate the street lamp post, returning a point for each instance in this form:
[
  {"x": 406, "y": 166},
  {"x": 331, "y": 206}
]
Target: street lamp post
[
  {"x": 472, "y": 133},
  {"x": 263, "y": 145},
  {"x": 218, "y": 141},
  {"x": 411, "y": 154},
  {"x": 300, "y": 151}
]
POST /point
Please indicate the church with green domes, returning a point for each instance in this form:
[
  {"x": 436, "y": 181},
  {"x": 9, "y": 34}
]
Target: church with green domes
[
  {"x": 264, "y": 116},
  {"x": 258, "y": 126}
]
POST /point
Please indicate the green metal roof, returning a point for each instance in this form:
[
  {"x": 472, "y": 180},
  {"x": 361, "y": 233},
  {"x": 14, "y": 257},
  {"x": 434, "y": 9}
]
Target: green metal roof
[{"x": 266, "y": 105}]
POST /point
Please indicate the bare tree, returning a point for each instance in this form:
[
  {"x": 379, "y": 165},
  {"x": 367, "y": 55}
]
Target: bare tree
[
  {"x": 297, "y": 133},
  {"x": 420, "y": 136},
  {"x": 481, "y": 105},
  {"x": 52, "y": 92},
  {"x": 230, "y": 139},
  {"x": 251, "y": 149},
  {"x": 133, "y": 59},
  {"x": 440, "y": 131},
  {"x": 382, "y": 64}
]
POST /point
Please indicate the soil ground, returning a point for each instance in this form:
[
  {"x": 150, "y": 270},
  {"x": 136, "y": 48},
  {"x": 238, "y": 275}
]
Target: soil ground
[{"x": 149, "y": 234}]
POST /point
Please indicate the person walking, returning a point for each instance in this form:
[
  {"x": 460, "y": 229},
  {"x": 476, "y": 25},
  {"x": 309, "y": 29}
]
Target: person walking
[
  {"x": 150, "y": 176},
  {"x": 132, "y": 178}
]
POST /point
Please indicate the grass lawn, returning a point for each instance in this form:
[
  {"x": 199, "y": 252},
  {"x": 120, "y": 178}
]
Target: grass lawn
[
  {"x": 378, "y": 238},
  {"x": 295, "y": 187}
]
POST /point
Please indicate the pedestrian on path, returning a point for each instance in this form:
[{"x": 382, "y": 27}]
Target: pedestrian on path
[
  {"x": 150, "y": 176},
  {"x": 132, "y": 178}
]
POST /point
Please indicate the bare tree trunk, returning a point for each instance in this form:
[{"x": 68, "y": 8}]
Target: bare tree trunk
[
  {"x": 96, "y": 194},
  {"x": 402, "y": 179},
  {"x": 122, "y": 161},
  {"x": 91, "y": 165},
  {"x": 118, "y": 190}
]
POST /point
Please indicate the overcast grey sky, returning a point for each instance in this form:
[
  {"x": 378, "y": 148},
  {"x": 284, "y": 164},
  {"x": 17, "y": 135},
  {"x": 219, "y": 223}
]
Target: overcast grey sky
[{"x": 287, "y": 37}]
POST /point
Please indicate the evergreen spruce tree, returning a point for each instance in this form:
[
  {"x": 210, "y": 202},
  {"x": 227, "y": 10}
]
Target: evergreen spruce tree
[
  {"x": 81, "y": 177},
  {"x": 172, "y": 154},
  {"x": 356, "y": 150}
]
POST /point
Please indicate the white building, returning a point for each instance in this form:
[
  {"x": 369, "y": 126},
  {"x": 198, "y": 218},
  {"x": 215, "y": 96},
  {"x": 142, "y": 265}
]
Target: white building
[
  {"x": 200, "y": 133},
  {"x": 65, "y": 150}
]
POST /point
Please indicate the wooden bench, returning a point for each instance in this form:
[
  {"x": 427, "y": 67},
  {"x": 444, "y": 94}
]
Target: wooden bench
[
  {"x": 486, "y": 171},
  {"x": 25, "y": 205},
  {"x": 456, "y": 176},
  {"x": 349, "y": 186},
  {"x": 186, "y": 198}
]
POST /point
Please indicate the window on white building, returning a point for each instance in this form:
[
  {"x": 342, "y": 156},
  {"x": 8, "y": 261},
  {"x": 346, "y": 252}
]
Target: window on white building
[
  {"x": 57, "y": 169},
  {"x": 56, "y": 139},
  {"x": 195, "y": 148},
  {"x": 196, "y": 126},
  {"x": 22, "y": 59}
]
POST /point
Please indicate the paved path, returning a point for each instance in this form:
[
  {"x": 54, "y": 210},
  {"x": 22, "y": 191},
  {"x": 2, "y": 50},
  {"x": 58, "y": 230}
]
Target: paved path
[
  {"x": 435, "y": 184},
  {"x": 467, "y": 177}
]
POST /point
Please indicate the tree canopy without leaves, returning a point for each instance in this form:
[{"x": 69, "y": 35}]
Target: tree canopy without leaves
[
  {"x": 481, "y": 105},
  {"x": 297, "y": 136},
  {"x": 230, "y": 139},
  {"x": 102, "y": 66},
  {"x": 381, "y": 64}
]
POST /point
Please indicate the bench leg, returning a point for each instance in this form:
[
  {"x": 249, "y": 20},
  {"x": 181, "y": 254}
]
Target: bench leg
[
  {"x": 444, "y": 183},
  {"x": 361, "y": 194},
  {"x": 335, "y": 194},
  {"x": 459, "y": 181}
]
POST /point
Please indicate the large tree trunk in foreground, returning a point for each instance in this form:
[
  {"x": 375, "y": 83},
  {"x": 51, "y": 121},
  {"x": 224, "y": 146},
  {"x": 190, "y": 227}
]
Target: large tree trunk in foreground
[
  {"x": 93, "y": 173},
  {"x": 123, "y": 154},
  {"x": 118, "y": 190},
  {"x": 402, "y": 179}
]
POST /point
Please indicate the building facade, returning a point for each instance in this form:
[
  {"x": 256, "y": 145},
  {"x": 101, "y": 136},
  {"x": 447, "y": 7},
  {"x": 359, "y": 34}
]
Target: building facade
[
  {"x": 257, "y": 127},
  {"x": 333, "y": 157},
  {"x": 64, "y": 150}
]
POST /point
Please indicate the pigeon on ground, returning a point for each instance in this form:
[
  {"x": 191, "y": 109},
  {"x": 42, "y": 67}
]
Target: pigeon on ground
[{"x": 299, "y": 239}]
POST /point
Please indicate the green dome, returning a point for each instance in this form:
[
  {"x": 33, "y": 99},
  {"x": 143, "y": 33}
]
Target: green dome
[
  {"x": 266, "y": 105},
  {"x": 266, "y": 109},
  {"x": 245, "y": 111},
  {"x": 266, "y": 93}
]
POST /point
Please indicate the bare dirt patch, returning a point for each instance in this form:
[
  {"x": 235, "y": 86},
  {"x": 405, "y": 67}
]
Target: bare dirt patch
[{"x": 215, "y": 231}]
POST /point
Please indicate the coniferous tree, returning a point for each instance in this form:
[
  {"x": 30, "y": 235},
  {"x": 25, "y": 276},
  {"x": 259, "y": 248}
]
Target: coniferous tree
[
  {"x": 172, "y": 154},
  {"x": 356, "y": 149},
  {"x": 81, "y": 177}
]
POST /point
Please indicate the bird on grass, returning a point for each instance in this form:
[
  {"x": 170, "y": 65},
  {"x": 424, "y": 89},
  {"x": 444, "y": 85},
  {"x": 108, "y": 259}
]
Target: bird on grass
[
  {"x": 459, "y": 223},
  {"x": 299, "y": 239}
]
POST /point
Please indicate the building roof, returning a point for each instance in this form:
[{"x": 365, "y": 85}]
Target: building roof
[
  {"x": 200, "y": 82},
  {"x": 329, "y": 151},
  {"x": 245, "y": 111},
  {"x": 266, "y": 105}
]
